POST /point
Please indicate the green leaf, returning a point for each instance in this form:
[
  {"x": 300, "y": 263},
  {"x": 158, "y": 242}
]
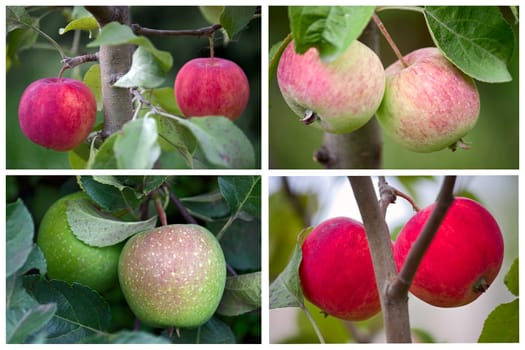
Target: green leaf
[
  {"x": 211, "y": 14},
  {"x": 19, "y": 236},
  {"x": 104, "y": 157},
  {"x": 285, "y": 290},
  {"x": 145, "y": 71},
  {"x": 222, "y": 143},
  {"x": 22, "y": 323},
  {"x": 512, "y": 278},
  {"x": 241, "y": 243},
  {"x": 330, "y": 29},
  {"x": 16, "y": 295},
  {"x": 17, "y": 17},
  {"x": 136, "y": 146},
  {"x": 502, "y": 324},
  {"x": 242, "y": 193},
  {"x": 35, "y": 260},
  {"x": 164, "y": 98},
  {"x": 212, "y": 332},
  {"x": 275, "y": 55},
  {"x": 117, "y": 34},
  {"x": 475, "y": 38},
  {"x": 235, "y": 18},
  {"x": 107, "y": 196},
  {"x": 241, "y": 295},
  {"x": 88, "y": 23},
  {"x": 81, "y": 312},
  {"x": 208, "y": 206},
  {"x": 92, "y": 80},
  {"x": 97, "y": 229},
  {"x": 175, "y": 136},
  {"x": 126, "y": 337}
]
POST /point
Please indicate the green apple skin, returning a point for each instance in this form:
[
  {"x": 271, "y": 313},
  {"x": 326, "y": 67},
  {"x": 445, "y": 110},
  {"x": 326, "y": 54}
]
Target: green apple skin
[
  {"x": 428, "y": 105},
  {"x": 344, "y": 93},
  {"x": 173, "y": 275},
  {"x": 70, "y": 259}
]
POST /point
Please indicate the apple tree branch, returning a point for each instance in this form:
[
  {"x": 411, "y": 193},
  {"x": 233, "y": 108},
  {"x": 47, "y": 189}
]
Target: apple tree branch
[
  {"x": 444, "y": 199},
  {"x": 395, "y": 310}
]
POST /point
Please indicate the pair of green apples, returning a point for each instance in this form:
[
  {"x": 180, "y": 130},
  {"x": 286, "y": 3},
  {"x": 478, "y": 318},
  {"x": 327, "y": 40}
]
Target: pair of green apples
[{"x": 170, "y": 276}]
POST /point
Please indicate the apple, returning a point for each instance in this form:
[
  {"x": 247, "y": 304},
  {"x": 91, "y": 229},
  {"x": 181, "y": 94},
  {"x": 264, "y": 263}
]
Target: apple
[
  {"x": 343, "y": 94},
  {"x": 173, "y": 275},
  {"x": 212, "y": 87},
  {"x": 70, "y": 259},
  {"x": 463, "y": 259},
  {"x": 429, "y": 105},
  {"x": 57, "y": 113},
  {"x": 336, "y": 270}
]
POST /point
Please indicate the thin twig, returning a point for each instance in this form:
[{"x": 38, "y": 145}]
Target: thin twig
[
  {"x": 71, "y": 62},
  {"x": 205, "y": 31},
  {"x": 182, "y": 210},
  {"x": 444, "y": 199}
]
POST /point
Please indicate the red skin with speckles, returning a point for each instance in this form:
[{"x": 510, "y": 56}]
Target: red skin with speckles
[
  {"x": 57, "y": 114},
  {"x": 428, "y": 105},
  {"x": 336, "y": 270},
  {"x": 467, "y": 248},
  {"x": 212, "y": 87}
]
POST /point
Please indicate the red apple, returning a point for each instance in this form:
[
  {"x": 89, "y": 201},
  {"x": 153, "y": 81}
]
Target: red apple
[
  {"x": 57, "y": 113},
  {"x": 430, "y": 104},
  {"x": 336, "y": 271},
  {"x": 212, "y": 87},
  {"x": 463, "y": 259},
  {"x": 344, "y": 93}
]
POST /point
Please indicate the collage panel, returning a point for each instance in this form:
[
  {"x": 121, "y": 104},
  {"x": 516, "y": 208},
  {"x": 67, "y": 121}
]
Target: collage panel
[
  {"x": 138, "y": 87},
  {"x": 133, "y": 259},
  {"x": 394, "y": 87},
  {"x": 336, "y": 242}
]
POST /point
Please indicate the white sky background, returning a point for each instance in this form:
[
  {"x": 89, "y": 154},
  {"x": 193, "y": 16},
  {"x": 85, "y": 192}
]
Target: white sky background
[{"x": 499, "y": 195}]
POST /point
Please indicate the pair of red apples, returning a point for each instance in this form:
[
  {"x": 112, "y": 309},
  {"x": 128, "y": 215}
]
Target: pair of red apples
[
  {"x": 59, "y": 113},
  {"x": 464, "y": 258}
]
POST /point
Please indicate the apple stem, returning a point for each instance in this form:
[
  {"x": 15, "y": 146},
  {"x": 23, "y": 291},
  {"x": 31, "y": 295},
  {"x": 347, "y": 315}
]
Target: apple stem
[
  {"x": 62, "y": 70},
  {"x": 389, "y": 39},
  {"x": 160, "y": 210},
  {"x": 459, "y": 144},
  {"x": 212, "y": 52}
]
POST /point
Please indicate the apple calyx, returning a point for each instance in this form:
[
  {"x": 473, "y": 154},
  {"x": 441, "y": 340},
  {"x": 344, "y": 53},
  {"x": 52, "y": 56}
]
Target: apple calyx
[
  {"x": 461, "y": 144},
  {"x": 481, "y": 286},
  {"x": 310, "y": 117}
]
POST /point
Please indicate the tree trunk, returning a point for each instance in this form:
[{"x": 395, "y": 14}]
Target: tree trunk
[{"x": 115, "y": 61}]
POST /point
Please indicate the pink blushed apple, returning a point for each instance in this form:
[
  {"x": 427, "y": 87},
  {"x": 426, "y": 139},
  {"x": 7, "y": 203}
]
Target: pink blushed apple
[
  {"x": 212, "y": 87},
  {"x": 430, "y": 104},
  {"x": 344, "y": 93},
  {"x": 463, "y": 259},
  {"x": 57, "y": 113}
]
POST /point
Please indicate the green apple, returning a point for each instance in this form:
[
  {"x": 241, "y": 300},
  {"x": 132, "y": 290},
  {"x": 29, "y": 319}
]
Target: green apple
[
  {"x": 70, "y": 259},
  {"x": 173, "y": 275}
]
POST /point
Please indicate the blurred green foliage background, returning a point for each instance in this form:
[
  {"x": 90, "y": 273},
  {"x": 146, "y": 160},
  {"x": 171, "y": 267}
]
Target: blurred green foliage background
[
  {"x": 44, "y": 61},
  {"x": 494, "y": 140}
]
